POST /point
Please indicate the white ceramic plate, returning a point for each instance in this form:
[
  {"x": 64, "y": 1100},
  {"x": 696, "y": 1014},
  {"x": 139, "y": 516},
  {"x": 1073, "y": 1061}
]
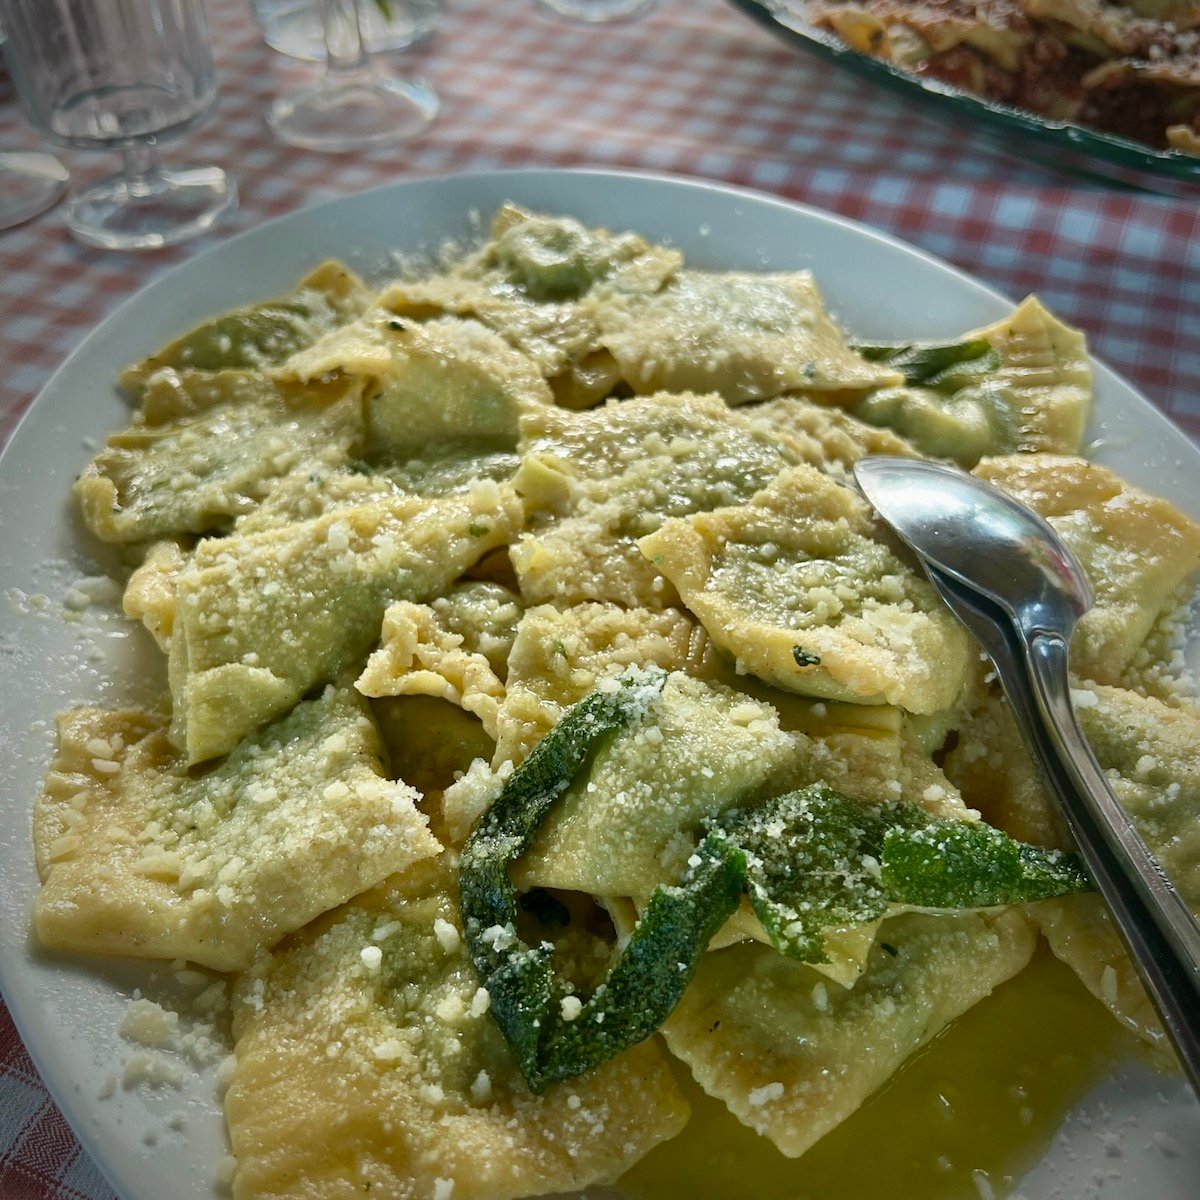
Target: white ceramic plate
[{"x": 68, "y": 1009}]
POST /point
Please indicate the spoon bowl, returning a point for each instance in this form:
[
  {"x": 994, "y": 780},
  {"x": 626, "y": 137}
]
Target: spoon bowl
[{"x": 981, "y": 537}]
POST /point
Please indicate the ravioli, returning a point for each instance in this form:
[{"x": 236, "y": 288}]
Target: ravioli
[
  {"x": 262, "y": 617},
  {"x": 533, "y": 283},
  {"x": 174, "y": 393},
  {"x": 1148, "y": 751},
  {"x": 846, "y": 949},
  {"x": 746, "y": 336},
  {"x": 367, "y": 1064},
  {"x": 558, "y": 655},
  {"x": 197, "y": 472},
  {"x": 797, "y": 588},
  {"x": 486, "y": 615},
  {"x": 432, "y": 744},
  {"x": 626, "y": 829},
  {"x": 138, "y": 856},
  {"x": 262, "y": 335},
  {"x": 149, "y": 595},
  {"x": 1159, "y": 666},
  {"x": 992, "y": 767},
  {"x": 316, "y": 490},
  {"x": 420, "y": 656},
  {"x": 452, "y": 379},
  {"x": 1135, "y": 549},
  {"x": 1080, "y": 932},
  {"x": 440, "y": 380},
  {"x": 1034, "y": 396},
  {"x": 1146, "y": 748},
  {"x": 703, "y": 748},
  {"x": 829, "y": 439},
  {"x": 793, "y": 1054},
  {"x": 597, "y": 481},
  {"x": 449, "y": 470}
]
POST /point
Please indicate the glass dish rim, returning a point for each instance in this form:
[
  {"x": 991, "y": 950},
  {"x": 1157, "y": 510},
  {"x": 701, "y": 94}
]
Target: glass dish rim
[{"x": 993, "y": 117}]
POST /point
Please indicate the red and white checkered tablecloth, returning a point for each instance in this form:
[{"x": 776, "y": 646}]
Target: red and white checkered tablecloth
[{"x": 692, "y": 88}]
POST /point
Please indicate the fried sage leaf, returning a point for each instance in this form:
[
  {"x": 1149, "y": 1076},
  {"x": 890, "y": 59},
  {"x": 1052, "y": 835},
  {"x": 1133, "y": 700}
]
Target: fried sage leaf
[
  {"x": 817, "y": 860},
  {"x": 525, "y": 1002},
  {"x": 925, "y": 364},
  {"x": 809, "y": 861}
]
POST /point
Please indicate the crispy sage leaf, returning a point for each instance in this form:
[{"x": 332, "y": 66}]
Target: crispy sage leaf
[
  {"x": 817, "y": 860},
  {"x": 809, "y": 861},
  {"x": 924, "y": 364},
  {"x": 520, "y": 980}
]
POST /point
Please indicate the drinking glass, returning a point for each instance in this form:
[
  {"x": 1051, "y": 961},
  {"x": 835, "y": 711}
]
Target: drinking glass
[
  {"x": 30, "y": 182},
  {"x": 120, "y": 75},
  {"x": 356, "y": 105},
  {"x": 596, "y": 12},
  {"x": 294, "y": 27}
]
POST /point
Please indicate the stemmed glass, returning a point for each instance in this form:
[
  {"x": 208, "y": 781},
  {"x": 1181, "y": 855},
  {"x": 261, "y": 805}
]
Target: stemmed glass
[
  {"x": 356, "y": 105},
  {"x": 121, "y": 74}
]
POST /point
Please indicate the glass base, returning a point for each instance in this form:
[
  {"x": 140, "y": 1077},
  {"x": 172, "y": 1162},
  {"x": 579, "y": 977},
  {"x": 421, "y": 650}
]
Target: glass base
[
  {"x": 147, "y": 212},
  {"x": 353, "y": 112},
  {"x": 30, "y": 182},
  {"x": 597, "y": 12}
]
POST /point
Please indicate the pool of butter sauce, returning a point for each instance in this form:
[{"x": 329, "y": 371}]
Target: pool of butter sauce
[{"x": 963, "y": 1120}]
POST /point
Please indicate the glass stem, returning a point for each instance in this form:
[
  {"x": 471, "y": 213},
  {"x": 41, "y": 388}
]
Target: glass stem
[
  {"x": 142, "y": 166},
  {"x": 345, "y": 53}
]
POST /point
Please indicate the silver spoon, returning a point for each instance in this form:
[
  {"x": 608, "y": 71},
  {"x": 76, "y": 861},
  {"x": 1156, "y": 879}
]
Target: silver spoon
[{"x": 1018, "y": 589}]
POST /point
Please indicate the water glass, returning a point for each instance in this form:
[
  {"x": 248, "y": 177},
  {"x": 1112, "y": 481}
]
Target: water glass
[
  {"x": 120, "y": 75},
  {"x": 357, "y": 105}
]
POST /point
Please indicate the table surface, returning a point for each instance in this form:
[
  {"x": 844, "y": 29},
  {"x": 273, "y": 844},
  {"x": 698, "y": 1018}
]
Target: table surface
[{"x": 692, "y": 88}]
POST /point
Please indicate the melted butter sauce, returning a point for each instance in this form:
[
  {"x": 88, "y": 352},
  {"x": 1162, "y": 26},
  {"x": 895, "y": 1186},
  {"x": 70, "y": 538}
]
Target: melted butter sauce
[{"x": 965, "y": 1118}]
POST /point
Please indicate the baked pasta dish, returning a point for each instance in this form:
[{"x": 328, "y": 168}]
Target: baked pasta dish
[
  {"x": 1127, "y": 68},
  {"x": 547, "y": 726}
]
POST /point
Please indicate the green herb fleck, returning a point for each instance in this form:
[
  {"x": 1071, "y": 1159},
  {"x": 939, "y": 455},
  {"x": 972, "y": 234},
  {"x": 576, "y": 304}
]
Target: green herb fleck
[
  {"x": 478, "y": 530},
  {"x": 804, "y": 659}
]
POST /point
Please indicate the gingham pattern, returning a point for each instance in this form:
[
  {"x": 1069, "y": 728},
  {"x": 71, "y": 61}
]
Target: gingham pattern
[{"x": 692, "y": 88}]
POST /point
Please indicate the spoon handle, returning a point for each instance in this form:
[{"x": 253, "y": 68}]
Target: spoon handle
[{"x": 1157, "y": 927}]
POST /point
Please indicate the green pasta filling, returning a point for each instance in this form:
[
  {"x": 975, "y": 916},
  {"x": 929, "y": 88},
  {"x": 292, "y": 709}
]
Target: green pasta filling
[{"x": 809, "y": 861}]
